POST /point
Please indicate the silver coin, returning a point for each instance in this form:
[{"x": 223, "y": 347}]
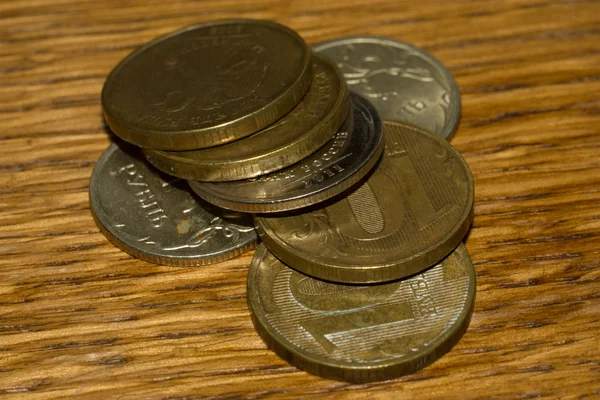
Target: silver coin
[
  {"x": 156, "y": 218},
  {"x": 343, "y": 161},
  {"x": 404, "y": 82}
]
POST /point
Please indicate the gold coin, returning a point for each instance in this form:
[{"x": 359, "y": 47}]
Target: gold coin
[
  {"x": 361, "y": 333},
  {"x": 297, "y": 135},
  {"x": 207, "y": 84},
  {"x": 411, "y": 212},
  {"x": 338, "y": 165}
]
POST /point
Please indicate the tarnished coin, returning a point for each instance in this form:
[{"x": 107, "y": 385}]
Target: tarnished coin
[
  {"x": 154, "y": 218},
  {"x": 361, "y": 333},
  {"x": 411, "y": 212},
  {"x": 298, "y": 134},
  {"x": 404, "y": 82},
  {"x": 207, "y": 84},
  {"x": 343, "y": 161}
]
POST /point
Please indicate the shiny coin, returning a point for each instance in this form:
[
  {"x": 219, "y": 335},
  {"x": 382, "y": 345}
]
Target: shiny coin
[
  {"x": 301, "y": 132},
  {"x": 361, "y": 333},
  {"x": 412, "y": 211},
  {"x": 154, "y": 218},
  {"x": 207, "y": 84},
  {"x": 343, "y": 161},
  {"x": 403, "y": 82}
]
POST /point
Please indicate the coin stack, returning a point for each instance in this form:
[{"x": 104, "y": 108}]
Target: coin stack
[{"x": 361, "y": 274}]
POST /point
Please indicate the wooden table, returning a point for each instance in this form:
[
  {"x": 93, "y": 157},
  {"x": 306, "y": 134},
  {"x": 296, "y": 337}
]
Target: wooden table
[{"x": 79, "y": 317}]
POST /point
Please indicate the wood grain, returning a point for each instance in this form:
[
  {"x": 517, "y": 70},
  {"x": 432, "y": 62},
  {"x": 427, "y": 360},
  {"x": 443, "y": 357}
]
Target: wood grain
[{"x": 79, "y": 317}]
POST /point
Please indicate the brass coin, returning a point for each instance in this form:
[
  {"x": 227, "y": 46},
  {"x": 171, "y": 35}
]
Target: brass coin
[
  {"x": 297, "y": 135},
  {"x": 207, "y": 84},
  {"x": 411, "y": 212},
  {"x": 157, "y": 219},
  {"x": 344, "y": 160},
  {"x": 361, "y": 333}
]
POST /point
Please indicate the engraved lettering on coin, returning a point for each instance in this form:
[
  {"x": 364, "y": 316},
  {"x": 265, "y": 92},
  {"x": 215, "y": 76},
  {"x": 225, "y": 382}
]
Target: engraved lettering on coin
[
  {"x": 404, "y": 82},
  {"x": 148, "y": 213},
  {"x": 393, "y": 328}
]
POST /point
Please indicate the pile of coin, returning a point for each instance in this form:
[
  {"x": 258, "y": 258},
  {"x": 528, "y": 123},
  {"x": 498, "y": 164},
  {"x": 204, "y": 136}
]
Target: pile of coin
[{"x": 361, "y": 274}]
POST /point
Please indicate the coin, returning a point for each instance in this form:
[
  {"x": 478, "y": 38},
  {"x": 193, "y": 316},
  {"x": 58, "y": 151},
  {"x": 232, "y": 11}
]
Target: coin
[
  {"x": 404, "y": 82},
  {"x": 154, "y": 218},
  {"x": 343, "y": 161},
  {"x": 207, "y": 84},
  {"x": 361, "y": 333},
  {"x": 411, "y": 212},
  {"x": 301, "y": 132}
]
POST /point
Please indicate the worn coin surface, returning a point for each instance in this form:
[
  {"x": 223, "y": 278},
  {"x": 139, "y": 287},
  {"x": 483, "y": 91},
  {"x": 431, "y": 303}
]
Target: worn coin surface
[
  {"x": 155, "y": 218},
  {"x": 298, "y": 134},
  {"x": 340, "y": 163},
  {"x": 404, "y": 82},
  {"x": 361, "y": 333},
  {"x": 412, "y": 211},
  {"x": 207, "y": 84}
]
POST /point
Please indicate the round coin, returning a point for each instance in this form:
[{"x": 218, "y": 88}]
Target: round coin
[
  {"x": 154, "y": 218},
  {"x": 297, "y": 135},
  {"x": 339, "y": 164},
  {"x": 207, "y": 84},
  {"x": 361, "y": 333},
  {"x": 404, "y": 82},
  {"x": 412, "y": 211}
]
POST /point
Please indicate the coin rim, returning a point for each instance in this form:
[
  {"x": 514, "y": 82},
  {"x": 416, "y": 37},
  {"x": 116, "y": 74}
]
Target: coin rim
[
  {"x": 261, "y": 163},
  {"x": 191, "y": 139},
  {"x": 348, "y": 371},
  {"x": 449, "y": 129},
  {"x": 151, "y": 256},
  {"x": 384, "y": 271},
  {"x": 305, "y": 200}
]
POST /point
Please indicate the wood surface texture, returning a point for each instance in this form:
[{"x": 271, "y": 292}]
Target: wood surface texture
[{"x": 78, "y": 317}]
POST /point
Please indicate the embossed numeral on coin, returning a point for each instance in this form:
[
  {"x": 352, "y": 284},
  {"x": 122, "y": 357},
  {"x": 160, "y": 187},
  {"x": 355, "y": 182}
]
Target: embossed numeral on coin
[
  {"x": 341, "y": 322},
  {"x": 367, "y": 211}
]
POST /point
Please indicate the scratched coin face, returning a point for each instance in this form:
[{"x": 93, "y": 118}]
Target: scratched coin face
[
  {"x": 295, "y": 136},
  {"x": 155, "y": 218},
  {"x": 336, "y": 166},
  {"x": 411, "y": 212},
  {"x": 207, "y": 84},
  {"x": 361, "y": 333},
  {"x": 404, "y": 82}
]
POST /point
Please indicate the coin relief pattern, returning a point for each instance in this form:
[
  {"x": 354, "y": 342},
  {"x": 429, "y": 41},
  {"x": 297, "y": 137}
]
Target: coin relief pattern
[
  {"x": 188, "y": 224},
  {"x": 239, "y": 74},
  {"x": 403, "y": 82},
  {"x": 405, "y": 202},
  {"x": 165, "y": 95},
  {"x": 366, "y": 324},
  {"x": 152, "y": 211}
]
